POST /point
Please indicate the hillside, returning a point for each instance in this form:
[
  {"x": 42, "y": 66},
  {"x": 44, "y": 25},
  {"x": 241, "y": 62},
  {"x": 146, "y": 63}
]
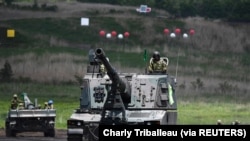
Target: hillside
[
  {"x": 215, "y": 59},
  {"x": 65, "y": 10},
  {"x": 212, "y": 35}
]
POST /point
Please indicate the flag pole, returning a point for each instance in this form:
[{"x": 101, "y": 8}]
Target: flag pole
[{"x": 145, "y": 56}]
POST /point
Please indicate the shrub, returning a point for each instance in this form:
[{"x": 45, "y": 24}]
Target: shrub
[
  {"x": 226, "y": 87},
  {"x": 6, "y": 72},
  {"x": 198, "y": 84}
]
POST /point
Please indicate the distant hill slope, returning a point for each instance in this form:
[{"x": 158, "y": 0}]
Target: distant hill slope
[
  {"x": 209, "y": 35},
  {"x": 66, "y": 9}
]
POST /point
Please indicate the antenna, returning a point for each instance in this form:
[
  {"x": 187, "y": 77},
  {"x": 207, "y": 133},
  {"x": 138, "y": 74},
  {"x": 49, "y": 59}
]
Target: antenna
[
  {"x": 145, "y": 58},
  {"x": 177, "y": 63}
]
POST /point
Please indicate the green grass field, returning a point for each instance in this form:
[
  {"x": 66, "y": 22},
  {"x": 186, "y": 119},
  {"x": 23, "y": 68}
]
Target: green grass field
[{"x": 202, "y": 113}]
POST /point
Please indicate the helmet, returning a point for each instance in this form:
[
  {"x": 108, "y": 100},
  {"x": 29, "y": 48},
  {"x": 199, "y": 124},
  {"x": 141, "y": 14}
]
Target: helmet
[
  {"x": 45, "y": 103},
  {"x": 156, "y": 55},
  {"x": 15, "y": 95},
  {"x": 50, "y": 102}
]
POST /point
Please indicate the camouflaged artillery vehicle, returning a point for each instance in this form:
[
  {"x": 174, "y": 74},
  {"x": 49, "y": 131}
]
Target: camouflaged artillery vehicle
[
  {"x": 30, "y": 118},
  {"x": 114, "y": 98}
]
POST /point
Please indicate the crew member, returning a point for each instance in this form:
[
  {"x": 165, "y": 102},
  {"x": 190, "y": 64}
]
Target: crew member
[
  {"x": 15, "y": 102},
  {"x": 157, "y": 64}
]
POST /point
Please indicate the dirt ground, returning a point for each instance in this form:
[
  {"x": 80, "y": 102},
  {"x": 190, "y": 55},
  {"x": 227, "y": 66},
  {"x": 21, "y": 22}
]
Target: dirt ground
[{"x": 61, "y": 135}]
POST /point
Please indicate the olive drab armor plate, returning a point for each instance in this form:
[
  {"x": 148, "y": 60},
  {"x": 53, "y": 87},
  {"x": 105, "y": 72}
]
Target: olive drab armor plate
[{"x": 117, "y": 98}]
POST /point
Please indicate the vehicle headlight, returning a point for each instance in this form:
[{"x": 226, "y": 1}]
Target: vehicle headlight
[
  {"x": 12, "y": 122},
  {"x": 152, "y": 122},
  {"x": 79, "y": 123}
]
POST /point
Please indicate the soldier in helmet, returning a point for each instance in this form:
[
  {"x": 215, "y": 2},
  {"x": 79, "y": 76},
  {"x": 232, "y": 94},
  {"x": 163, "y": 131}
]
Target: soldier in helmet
[
  {"x": 20, "y": 106},
  {"x": 50, "y": 104},
  {"x": 39, "y": 106},
  {"x": 15, "y": 102},
  {"x": 103, "y": 70},
  {"x": 157, "y": 64},
  {"x": 46, "y": 105}
]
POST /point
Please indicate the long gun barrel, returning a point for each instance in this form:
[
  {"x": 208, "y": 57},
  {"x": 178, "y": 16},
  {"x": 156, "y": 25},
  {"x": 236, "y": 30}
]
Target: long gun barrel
[{"x": 117, "y": 82}]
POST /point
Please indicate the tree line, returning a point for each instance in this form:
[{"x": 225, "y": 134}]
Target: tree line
[{"x": 228, "y": 10}]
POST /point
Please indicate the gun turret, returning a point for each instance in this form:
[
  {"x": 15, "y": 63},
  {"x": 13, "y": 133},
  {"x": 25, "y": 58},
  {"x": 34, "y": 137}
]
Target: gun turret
[
  {"x": 118, "y": 94},
  {"x": 117, "y": 83}
]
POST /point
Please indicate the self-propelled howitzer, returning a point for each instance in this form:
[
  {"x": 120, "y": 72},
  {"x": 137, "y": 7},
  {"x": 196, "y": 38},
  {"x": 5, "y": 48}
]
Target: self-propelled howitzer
[{"x": 114, "y": 98}]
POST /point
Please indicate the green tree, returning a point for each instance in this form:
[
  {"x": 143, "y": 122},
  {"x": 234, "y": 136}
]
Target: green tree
[
  {"x": 6, "y": 72},
  {"x": 211, "y": 9},
  {"x": 187, "y": 8},
  {"x": 8, "y": 2}
]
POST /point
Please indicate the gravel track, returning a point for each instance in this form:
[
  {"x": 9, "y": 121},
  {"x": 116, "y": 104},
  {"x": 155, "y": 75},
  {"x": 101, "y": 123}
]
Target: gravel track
[{"x": 61, "y": 135}]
